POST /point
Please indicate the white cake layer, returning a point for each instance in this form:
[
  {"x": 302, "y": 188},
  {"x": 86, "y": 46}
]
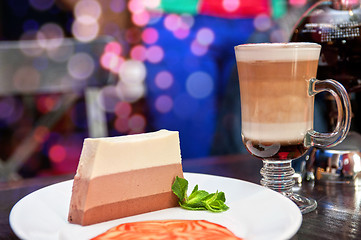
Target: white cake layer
[
  {"x": 277, "y": 51},
  {"x": 109, "y": 155},
  {"x": 276, "y": 132}
]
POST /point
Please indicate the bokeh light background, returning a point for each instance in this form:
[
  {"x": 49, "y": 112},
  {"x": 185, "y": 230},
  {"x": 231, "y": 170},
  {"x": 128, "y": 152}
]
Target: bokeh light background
[{"x": 171, "y": 63}]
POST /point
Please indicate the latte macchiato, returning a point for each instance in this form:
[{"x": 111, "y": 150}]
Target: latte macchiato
[
  {"x": 277, "y": 110},
  {"x": 277, "y": 86}
]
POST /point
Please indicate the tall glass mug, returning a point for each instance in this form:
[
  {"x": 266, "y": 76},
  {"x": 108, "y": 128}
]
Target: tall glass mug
[{"x": 277, "y": 88}]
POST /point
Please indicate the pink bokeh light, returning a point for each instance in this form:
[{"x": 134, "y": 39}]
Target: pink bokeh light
[
  {"x": 57, "y": 153},
  {"x": 150, "y": 35},
  {"x": 164, "y": 104},
  {"x": 136, "y": 6},
  {"x": 111, "y": 61},
  {"x": 231, "y": 5},
  {"x": 298, "y": 2},
  {"x": 155, "y": 54},
  {"x": 164, "y": 80},
  {"x": 198, "y": 49},
  {"x": 113, "y": 47},
  {"x": 123, "y": 109},
  {"x": 137, "y": 123},
  {"x": 205, "y": 36},
  {"x": 181, "y": 33},
  {"x": 141, "y": 19},
  {"x": 172, "y": 22},
  {"x": 138, "y": 53},
  {"x": 121, "y": 125}
]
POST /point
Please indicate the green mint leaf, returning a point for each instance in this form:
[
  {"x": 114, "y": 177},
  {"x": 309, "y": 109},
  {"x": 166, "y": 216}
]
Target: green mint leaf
[
  {"x": 221, "y": 196},
  {"x": 197, "y": 194},
  {"x": 198, "y": 199},
  {"x": 215, "y": 202},
  {"x": 217, "y": 206},
  {"x": 186, "y": 206},
  {"x": 180, "y": 187},
  {"x": 195, "y": 189},
  {"x": 211, "y": 197}
]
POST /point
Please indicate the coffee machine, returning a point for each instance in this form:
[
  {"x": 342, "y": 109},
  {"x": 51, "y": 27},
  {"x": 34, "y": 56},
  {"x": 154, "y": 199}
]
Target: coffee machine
[{"x": 336, "y": 26}]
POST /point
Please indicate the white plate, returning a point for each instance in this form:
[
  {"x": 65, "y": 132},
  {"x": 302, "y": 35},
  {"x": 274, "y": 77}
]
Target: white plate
[{"x": 255, "y": 212}]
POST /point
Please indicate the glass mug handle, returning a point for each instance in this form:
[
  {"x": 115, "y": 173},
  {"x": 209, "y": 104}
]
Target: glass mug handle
[{"x": 343, "y": 104}]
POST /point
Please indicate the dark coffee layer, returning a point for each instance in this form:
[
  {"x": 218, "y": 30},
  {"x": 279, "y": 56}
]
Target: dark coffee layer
[{"x": 275, "y": 150}]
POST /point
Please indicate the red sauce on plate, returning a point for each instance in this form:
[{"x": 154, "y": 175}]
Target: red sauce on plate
[{"x": 169, "y": 230}]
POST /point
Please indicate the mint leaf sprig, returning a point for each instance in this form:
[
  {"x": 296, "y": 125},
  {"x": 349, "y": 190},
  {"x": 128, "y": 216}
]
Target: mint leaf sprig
[{"x": 198, "y": 199}]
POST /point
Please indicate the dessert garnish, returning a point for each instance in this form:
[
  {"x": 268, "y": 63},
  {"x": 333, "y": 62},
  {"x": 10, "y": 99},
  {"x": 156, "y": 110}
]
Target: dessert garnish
[
  {"x": 198, "y": 199},
  {"x": 168, "y": 229}
]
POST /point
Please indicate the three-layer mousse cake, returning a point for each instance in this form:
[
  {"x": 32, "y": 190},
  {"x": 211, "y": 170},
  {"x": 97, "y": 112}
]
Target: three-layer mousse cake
[{"x": 124, "y": 176}]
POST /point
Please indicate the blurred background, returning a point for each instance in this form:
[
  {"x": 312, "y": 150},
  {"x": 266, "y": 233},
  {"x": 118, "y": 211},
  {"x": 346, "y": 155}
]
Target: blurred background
[{"x": 90, "y": 68}]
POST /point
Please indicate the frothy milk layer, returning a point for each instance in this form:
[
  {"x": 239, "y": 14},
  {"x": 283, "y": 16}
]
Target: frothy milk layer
[
  {"x": 276, "y": 132},
  {"x": 277, "y": 51}
]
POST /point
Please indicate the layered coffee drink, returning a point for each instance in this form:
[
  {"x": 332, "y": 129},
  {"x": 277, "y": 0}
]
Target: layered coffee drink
[
  {"x": 277, "y": 87},
  {"x": 277, "y": 110}
]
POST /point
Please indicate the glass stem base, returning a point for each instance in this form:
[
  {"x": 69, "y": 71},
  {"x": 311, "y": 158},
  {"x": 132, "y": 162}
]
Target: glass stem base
[{"x": 278, "y": 176}]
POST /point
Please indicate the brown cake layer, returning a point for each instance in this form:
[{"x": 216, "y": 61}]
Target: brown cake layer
[
  {"x": 123, "y": 194},
  {"x": 125, "y": 208}
]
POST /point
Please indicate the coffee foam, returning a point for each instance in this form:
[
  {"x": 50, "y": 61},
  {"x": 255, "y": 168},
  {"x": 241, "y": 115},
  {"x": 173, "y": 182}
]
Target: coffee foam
[
  {"x": 276, "y": 132},
  {"x": 277, "y": 51}
]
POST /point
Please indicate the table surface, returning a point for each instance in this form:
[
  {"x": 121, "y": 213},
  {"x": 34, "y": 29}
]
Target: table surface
[{"x": 338, "y": 215}]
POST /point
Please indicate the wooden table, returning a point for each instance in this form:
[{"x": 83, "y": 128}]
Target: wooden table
[{"x": 338, "y": 215}]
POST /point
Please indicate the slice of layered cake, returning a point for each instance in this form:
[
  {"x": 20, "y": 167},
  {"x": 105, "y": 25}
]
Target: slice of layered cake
[{"x": 124, "y": 176}]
